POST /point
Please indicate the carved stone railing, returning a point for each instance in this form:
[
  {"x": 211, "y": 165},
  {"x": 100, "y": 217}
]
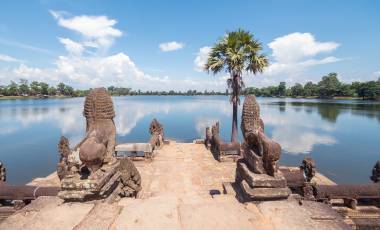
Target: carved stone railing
[
  {"x": 220, "y": 149},
  {"x": 300, "y": 182},
  {"x": 142, "y": 151}
]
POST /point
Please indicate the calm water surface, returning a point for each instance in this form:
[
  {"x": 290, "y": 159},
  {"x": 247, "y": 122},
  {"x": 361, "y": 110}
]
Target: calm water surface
[{"x": 342, "y": 136}]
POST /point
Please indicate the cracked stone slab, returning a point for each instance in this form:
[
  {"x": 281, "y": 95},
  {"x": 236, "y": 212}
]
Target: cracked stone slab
[{"x": 50, "y": 215}]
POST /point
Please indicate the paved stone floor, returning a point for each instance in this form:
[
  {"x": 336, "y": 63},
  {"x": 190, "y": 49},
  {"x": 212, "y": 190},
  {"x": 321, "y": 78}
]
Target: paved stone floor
[
  {"x": 184, "y": 170},
  {"x": 177, "y": 194}
]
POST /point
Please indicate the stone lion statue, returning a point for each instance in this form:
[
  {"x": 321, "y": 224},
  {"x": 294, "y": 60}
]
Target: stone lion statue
[
  {"x": 260, "y": 152},
  {"x": 98, "y": 146}
]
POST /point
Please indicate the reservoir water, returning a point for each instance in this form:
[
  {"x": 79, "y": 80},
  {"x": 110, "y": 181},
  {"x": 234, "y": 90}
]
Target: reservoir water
[{"x": 342, "y": 136}]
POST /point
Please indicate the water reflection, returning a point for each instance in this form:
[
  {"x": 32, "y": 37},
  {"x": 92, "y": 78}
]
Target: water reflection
[
  {"x": 30, "y": 129},
  {"x": 330, "y": 110}
]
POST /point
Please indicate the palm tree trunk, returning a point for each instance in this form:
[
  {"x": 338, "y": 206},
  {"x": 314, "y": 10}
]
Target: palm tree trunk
[
  {"x": 234, "y": 134},
  {"x": 235, "y": 95}
]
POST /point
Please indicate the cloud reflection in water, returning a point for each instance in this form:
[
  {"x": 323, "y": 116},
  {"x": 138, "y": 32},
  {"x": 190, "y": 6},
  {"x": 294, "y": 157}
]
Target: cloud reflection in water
[{"x": 297, "y": 130}]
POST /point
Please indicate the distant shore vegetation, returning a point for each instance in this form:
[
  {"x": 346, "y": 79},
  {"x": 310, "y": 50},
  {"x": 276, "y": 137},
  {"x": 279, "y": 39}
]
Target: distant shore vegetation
[{"x": 328, "y": 87}]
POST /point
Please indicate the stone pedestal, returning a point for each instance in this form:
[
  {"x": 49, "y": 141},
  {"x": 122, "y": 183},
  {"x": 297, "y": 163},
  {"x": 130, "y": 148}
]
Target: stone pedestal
[
  {"x": 98, "y": 185},
  {"x": 255, "y": 186}
]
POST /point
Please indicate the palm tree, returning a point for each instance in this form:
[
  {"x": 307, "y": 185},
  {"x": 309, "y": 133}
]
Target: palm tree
[{"x": 236, "y": 52}]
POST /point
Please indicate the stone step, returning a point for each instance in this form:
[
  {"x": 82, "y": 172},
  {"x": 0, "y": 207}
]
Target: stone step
[{"x": 101, "y": 216}]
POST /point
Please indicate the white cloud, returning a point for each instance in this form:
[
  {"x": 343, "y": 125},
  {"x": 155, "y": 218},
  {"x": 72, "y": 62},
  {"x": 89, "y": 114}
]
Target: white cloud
[
  {"x": 377, "y": 73},
  {"x": 294, "y": 47},
  {"x": 171, "y": 46},
  {"x": 201, "y": 58},
  {"x": 98, "y": 31},
  {"x": 31, "y": 73},
  {"x": 305, "y": 135},
  {"x": 7, "y": 58},
  {"x": 95, "y": 71},
  {"x": 201, "y": 123},
  {"x": 326, "y": 60},
  {"x": 83, "y": 68},
  {"x": 293, "y": 55},
  {"x": 71, "y": 46},
  {"x": 301, "y": 142}
]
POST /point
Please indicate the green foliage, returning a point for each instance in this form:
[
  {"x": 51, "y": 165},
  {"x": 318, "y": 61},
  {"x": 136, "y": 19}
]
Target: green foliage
[
  {"x": 12, "y": 89},
  {"x": 297, "y": 90},
  {"x": 68, "y": 91},
  {"x": 44, "y": 88},
  {"x": 370, "y": 90},
  {"x": 282, "y": 89},
  {"x": 236, "y": 52},
  {"x": 61, "y": 88},
  {"x": 24, "y": 87},
  {"x": 329, "y": 86},
  {"x": 324, "y": 89},
  {"x": 345, "y": 90},
  {"x": 310, "y": 89},
  {"x": 52, "y": 91},
  {"x": 35, "y": 88},
  {"x": 120, "y": 91}
]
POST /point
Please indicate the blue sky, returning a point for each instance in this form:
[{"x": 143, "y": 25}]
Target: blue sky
[{"x": 161, "y": 44}]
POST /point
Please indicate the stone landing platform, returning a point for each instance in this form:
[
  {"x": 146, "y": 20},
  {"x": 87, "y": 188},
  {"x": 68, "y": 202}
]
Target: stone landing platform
[{"x": 182, "y": 189}]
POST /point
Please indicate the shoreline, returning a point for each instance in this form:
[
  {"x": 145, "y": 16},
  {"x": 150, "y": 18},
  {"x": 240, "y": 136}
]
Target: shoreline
[
  {"x": 64, "y": 97},
  {"x": 31, "y": 97}
]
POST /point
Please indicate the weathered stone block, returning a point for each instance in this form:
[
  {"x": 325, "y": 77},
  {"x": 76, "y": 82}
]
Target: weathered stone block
[
  {"x": 134, "y": 147},
  {"x": 251, "y": 194},
  {"x": 254, "y": 161},
  {"x": 100, "y": 183},
  {"x": 260, "y": 180}
]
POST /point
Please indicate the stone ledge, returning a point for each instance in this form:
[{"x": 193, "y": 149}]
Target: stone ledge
[
  {"x": 258, "y": 194},
  {"x": 256, "y": 180}
]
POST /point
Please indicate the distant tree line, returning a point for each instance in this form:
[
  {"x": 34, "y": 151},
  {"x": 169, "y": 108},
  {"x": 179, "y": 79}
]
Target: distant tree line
[
  {"x": 328, "y": 87},
  {"x": 42, "y": 89},
  {"x": 128, "y": 91},
  {"x": 35, "y": 88}
]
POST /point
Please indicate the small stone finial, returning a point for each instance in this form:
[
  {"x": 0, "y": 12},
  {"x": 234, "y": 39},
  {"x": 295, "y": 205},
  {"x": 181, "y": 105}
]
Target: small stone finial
[
  {"x": 215, "y": 128},
  {"x": 308, "y": 168},
  {"x": 376, "y": 172},
  {"x": 3, "y": 172},
  {"x": 156, "y": 127},
  {"x": 157, "y": 132},
  {"x": 63, "y": 148},
  {"x": 64, "y": 152},
  {"x": 208, "y": 137}
]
